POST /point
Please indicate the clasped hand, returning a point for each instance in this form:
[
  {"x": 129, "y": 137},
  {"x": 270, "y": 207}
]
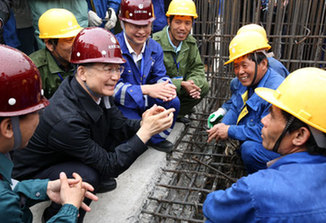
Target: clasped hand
[{"x": 70, "y": 191}]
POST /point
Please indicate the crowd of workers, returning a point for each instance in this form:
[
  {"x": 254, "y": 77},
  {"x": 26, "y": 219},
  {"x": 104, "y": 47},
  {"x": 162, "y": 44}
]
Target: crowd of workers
[{"x": 113, "y": 95}]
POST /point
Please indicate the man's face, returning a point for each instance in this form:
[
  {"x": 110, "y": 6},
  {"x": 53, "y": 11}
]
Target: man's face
[
  {"x": 28, "y": 125},
  {"x": 180, "y": 27},
  {"x": 274, "y": 123},
  {"x": 137, "y": 34},
  {"x": 244, "y": 69},
  {"x": 62, "y": 51},
  {"x": 101, "y": 78}
]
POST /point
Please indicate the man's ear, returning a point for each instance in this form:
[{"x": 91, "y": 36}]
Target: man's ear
[
  {"x": 49, "y": 45},
  {"x": 6, "y": 128},
  {"x": 81, "y": 72},
  {"x": 301, "y": 136}
]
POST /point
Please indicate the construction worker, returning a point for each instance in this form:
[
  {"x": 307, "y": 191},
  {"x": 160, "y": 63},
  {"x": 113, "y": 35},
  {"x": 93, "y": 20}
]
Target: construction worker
[
  {"x": 242, "y": 121},
  {"x": 21, "y": 100},
  {"x": 38, "y": 7},
  {"x": 144, "y": 81},
  {"x": 274, "y": 64},
  {"x": 58, "y": 28},
  {"x": 82, "y": 130},
  {"x": 181, "y": 56},
  {"x": 292, "y": 188}
]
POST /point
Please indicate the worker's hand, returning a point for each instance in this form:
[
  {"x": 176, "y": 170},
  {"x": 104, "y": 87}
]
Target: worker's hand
[
  {"x": 111, "y": 18},
  {"x": 219, "y": 131},
  {"x": 215, "y": 117},
  {"x": 155, "y": 120},
  {"x": 70, "y": 191},
  {"x": 163, "y": 90},
  {"x": 192, "y": 89},
  {"x": 93, "y": 19}
]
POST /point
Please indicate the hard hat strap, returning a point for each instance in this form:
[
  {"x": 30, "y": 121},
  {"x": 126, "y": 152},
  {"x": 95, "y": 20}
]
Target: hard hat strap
[
  {"x": 255, "y": 76},
  {"x": 278, "y": 141},
  {"x": 17, "y": 133}
]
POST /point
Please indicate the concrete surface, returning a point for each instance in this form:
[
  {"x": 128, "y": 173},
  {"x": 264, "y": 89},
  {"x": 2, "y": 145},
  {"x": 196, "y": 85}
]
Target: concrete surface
[{"x": 124, "y": 204}]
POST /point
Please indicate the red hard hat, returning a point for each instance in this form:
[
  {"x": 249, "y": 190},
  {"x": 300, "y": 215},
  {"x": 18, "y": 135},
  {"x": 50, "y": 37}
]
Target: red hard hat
[
  {"x": 139, "y": 12},
  {"x": 20, "y": 84},
  {"x": 96, "y": 45}
]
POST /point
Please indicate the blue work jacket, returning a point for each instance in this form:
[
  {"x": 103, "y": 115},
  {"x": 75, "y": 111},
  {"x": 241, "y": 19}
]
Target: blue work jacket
[
  {"x": 128, "y": 91},
  {"x": 15, "y": 209},
  {"x": 160, "y": 18},
  {"x": 290, "y": 190},
  {"x": 249, "y": 127},
  {"x": 277, "y": 66}
]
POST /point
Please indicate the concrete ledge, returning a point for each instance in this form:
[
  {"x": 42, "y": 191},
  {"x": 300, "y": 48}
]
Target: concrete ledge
[{"x": 124, "y": 204}]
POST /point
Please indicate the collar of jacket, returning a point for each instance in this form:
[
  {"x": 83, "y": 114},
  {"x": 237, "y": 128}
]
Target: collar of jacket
[
  {"x": 252, "y": 101},
  {"x": 5, "y": 167},
  {"x": 300, "y": 158},
  {"x": 162, "y": 38},
  {"x": 86, "y": 101},
  {"x": 148, "y": 50}
]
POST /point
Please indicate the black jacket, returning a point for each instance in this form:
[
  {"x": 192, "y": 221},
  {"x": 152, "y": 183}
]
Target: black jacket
[{"x": 74, "y": 127}]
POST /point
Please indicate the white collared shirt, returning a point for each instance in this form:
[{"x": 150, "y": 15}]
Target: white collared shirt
[{"x": 135, "y": 57}]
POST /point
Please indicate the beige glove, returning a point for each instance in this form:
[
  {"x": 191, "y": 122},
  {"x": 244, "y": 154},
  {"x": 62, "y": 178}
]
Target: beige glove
[
  {"x": 93, "y": 19},
  {"x": 231, "y": 146},
  {"x": 112, "y": 19}
]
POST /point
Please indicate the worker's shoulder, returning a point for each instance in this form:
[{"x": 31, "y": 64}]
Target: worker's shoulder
[{"x": 39, "y": 57}]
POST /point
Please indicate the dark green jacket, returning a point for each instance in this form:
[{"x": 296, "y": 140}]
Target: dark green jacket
[
  {"x": 14, "y": 204},
  {"x": 191, "y": 66},
  {"x": 52, "y": 75}
]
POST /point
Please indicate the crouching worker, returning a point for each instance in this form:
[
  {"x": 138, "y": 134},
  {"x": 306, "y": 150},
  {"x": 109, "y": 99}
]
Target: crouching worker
[
  {"x": 242, "y": 121},
  {"x": 82, "y": 130},
  {"x": 20, "y": 100},
  {"x": 292, "y": 188}
]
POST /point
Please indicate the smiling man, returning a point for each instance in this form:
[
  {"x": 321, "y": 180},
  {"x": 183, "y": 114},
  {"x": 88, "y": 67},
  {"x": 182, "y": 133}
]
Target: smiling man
[
  {"x": 144, "y": 81},
  {"x": 82, "y": 130},
  {"x": 292, "y": 188},
  {"x": 181, "y": 56},
  {"x": 242, "y": 121}
]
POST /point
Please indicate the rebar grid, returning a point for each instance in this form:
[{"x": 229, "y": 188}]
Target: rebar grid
[{"x": 297, "y": 34}]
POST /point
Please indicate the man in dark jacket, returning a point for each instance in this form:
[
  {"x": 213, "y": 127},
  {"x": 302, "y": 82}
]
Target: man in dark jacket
[{"x": 82, "y": 130}]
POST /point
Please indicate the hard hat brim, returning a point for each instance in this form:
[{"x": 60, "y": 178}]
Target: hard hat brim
[{"x": 272, "y": 96}]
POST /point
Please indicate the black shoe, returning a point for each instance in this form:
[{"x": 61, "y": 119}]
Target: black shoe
[
  {"x": 164, "y": 146},
  {"x": 184, "y": 120},
  {"x": 107, "y": 185}
]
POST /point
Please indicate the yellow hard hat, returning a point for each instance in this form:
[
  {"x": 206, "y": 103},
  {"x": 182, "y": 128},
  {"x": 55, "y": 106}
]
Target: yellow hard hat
[
  {"x": 245, "y": 43},
  {"x": 301, "y": 94},
  {"x": 255, "y": 28},
  {"x": 183, "y": 8},
  {"x": 58, "y": 23}
]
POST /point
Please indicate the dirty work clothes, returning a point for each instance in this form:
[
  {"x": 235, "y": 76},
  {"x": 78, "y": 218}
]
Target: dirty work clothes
[
  {"x": 11, "y": 207},
  {"x": 128, "y": 94},
  {"x": 52, "y": 75},
  {"x": 75, "y": 128},
  {"x": 102, "y": 6},
  {"x": 248, "y": 128},
  {"x": 184, "y": 65},
  {"x": 291, "y": 190}
]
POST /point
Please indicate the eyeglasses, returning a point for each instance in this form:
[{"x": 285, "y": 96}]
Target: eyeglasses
[{"x": 110, "y": 69}]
